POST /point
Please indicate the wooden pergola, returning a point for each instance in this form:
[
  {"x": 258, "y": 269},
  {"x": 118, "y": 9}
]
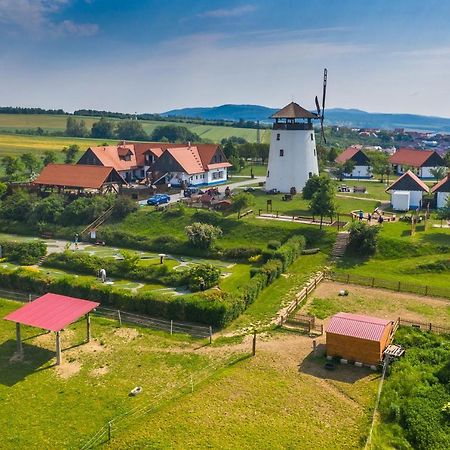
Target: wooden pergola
[{"x": 52, "y": 312}]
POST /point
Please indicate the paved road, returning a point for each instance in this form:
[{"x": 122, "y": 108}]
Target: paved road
[{"x": 177, "y": 197}]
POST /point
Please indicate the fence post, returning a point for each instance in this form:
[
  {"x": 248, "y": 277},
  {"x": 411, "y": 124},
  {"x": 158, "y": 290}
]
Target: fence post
[
  {"x": 398, "y": 289},
  {"x": 29, "y": 297},
  {"x": 373, "y": 281},
  {"x": 426, "y": 290},
  {"x": 171, "y": 326},
  {"x": 254, "y": 343},
  {"x": 321, "y": 328},
  {"x": 277, "y": 214},
  {"x": 348, "y": 278},
  {"x": 210, "y": 334},
  {"x": 119, "y": 317},
  {"x": 431, "y": 327}
]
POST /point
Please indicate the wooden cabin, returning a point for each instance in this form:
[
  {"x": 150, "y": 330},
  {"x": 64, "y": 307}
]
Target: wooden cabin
[{"x": 358, "y": 338}]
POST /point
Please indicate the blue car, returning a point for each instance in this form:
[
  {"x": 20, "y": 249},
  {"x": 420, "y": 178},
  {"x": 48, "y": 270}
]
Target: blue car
[{"x": 158, "y": 199}]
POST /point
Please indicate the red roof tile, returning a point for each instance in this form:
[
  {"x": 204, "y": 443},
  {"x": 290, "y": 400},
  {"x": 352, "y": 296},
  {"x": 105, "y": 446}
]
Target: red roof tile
[
  {"x": 52, "y": 311},
  {"x": 348, "y": 153},
  {"x": 109, "y": 156},
  {"x": 76, "y": 176},
  {"x": 410, "y": 157},
  {"x": 358, "y": 326}
]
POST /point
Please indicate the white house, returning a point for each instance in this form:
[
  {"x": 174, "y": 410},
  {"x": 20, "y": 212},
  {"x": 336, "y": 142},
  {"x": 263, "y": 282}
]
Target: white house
[
  {"x": 422, "y": 162},
  {"x": 360, "y": 160},
  {"x": 196, "y": 165},
  {"x": 407, "y": 192},
  {"x": 442, "y": 192},
  {"x": 292, "y": 154}
]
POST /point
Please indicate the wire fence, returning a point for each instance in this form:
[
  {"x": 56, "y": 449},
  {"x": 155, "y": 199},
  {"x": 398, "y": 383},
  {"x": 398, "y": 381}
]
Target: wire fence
[
  {"x": 186, "y": 384},
  {"x": 424, "y": 326},
  {"x": 393, "y": 285},
  {"x": 169, "y": 326}
]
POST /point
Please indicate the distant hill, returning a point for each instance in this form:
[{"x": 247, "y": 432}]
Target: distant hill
[{"x": 353, "y": 118}]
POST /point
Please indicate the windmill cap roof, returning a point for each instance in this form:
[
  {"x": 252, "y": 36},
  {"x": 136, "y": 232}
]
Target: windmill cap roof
[{"x": 294, "y": 111}]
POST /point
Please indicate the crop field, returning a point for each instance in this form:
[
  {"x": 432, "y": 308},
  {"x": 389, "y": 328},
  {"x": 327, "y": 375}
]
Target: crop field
[{"x": 11, "y": 122}]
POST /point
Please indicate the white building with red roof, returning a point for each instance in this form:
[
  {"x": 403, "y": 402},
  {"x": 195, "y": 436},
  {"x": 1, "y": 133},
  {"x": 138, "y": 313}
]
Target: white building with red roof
[
  {"x": 360, "y": 160},
  {"x": 442, "y": 192},
  {"x": 407, "y": 192},
  {"x": 422, "y": 162}
]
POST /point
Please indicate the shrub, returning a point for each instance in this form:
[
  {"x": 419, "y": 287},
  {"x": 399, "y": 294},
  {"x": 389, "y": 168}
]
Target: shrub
[
  {"x": 203, "y": 276},
  {"x": 123, "y": 206},
  {"x": 274, "y": 245},
  {"x": 311, "y": 186},
  {"x": 202, "y": 235},
  {"x": 363, "y": 238},
  {"x": 26, "y": 253},
  {"x": 240, "y": 253},
  {"x": 288, "y": 252},
  {"x": 241, "y": 201}
]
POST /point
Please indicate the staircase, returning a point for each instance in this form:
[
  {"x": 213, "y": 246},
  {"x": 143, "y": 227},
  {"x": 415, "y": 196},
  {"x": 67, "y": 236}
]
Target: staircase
[
  {"x": 340, "y": 245},
  {"x": 99, "y": 221}
]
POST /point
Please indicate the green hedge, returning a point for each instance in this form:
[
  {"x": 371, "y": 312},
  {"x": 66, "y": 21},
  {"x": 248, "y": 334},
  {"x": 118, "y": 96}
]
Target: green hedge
[
  {"x": 288, "y": 252},
  {"x": 25, "y": 253},
  {"x": 90, "y": 264}
]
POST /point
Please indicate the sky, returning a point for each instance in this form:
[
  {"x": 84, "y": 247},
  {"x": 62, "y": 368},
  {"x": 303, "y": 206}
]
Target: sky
[{"x": 153, "y": 56}]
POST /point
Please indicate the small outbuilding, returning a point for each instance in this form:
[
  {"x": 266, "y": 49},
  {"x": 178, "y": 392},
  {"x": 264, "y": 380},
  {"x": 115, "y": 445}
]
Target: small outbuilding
[
  {"x": 360, "y": 160},
  {"x": 422, "y": 161},
  {"x": 358, "y": 338},
  {"x": 442, "y": 192},
  {"x": 407, "y": 192}
]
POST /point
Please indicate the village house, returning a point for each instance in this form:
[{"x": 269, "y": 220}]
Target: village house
[
  {"x": 359, "y": 158},
  {"x": 422, "y": 162},
  {"x": 441, "y": 191},
  {"x": 407, "y": 192}
]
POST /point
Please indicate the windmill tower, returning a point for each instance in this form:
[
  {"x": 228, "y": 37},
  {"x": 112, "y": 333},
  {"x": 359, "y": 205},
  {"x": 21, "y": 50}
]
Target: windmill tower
[{"x": 293, "y": 154}]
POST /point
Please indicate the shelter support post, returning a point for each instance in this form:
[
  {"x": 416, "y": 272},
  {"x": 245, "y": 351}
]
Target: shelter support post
[
  {"x": 88, "y": 327},
  {"x": 58, "y": 348},
  {"x": 18, "y": 338}
]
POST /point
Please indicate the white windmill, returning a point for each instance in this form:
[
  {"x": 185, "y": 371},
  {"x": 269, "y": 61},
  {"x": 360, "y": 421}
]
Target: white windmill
[{"x": 293, "y": 153}]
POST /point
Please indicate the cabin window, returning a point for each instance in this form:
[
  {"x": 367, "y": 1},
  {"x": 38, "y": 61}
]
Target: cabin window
[
  {"x": 281, "y": 152},
  {"x": 278, "y": 136}
]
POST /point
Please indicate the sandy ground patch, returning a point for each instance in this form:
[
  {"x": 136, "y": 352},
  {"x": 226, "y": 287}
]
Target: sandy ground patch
[
  {"x": 395, "y": 304},
  {"x": 68, "y": 369},
  {"x": 99, "y": 371},
  {"x": 127, "y": 334}
]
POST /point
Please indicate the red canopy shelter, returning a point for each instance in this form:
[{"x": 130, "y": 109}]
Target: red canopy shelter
[{"x": 52, "y": 312}]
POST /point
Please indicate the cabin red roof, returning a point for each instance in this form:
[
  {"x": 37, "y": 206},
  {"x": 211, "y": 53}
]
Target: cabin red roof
[
  {"x": 348, "y": 153},
  {"x": 358, "y": 326},
  {"x": 52, "y": 311},
  {"x": 76, "y": 176},
  {"x": 443, "y": 185},
  {"x": 410, "y": 157}
]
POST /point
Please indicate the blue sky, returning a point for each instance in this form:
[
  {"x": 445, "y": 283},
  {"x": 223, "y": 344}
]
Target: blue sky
[{"x": 151, "y": 56}]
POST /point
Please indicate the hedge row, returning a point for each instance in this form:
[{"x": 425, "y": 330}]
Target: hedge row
[
  {"x": 25, "y": 253},
  {"x": 123, "y": 268},
  {"x": 288, "y": 252}
]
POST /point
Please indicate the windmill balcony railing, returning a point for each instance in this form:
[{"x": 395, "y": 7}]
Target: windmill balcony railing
[{"x": 293, "y": 126}]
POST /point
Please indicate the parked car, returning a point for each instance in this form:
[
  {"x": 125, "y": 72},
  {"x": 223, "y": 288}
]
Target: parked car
[
  {"x": 158, "y": 199},
  {"x": 249, "y": 189},
  {"x": 192, "y": 191},
  {"x": 272, "y": 191}
]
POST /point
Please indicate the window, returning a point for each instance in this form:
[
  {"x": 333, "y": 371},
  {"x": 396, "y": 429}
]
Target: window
[
  {"x": 310, "y": 175},
  {"x": 278, "y": 136},
  {"x": 314, "y": 151},
  {"x": 268, "y": 174},
  {"x": 312, "y": 136},
  {"x": 281, "y": 152}
]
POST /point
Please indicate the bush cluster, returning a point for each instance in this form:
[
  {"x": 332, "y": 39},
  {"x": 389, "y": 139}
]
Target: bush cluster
[
  {"x": 25, "y": 253},
  {"x": 288, "y": 252},
  {"x": 363, "y": 238},
  {"x": 127, "y": 267}
]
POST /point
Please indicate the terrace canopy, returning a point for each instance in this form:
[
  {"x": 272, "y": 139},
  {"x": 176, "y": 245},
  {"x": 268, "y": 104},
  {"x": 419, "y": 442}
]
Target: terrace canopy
[{"x": 52, "y": 312}]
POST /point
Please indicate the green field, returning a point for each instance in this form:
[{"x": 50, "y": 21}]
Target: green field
[{"x": 51, "y": 123}]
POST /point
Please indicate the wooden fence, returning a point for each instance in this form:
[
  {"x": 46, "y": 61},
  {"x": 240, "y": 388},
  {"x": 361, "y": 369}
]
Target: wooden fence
[
  {"x": 424, "y": 326},
  {"x": 393, "y": 285}
]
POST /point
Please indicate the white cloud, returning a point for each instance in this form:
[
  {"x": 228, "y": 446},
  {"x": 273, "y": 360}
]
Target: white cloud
[
  {"x": 35, "y": 16},
  {"x": 230, "y": 12}
]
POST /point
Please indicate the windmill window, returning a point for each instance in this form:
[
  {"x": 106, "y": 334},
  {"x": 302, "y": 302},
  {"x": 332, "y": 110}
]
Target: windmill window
[
  {"x": 312, "y": 136},
  {"x": 310, "y": 174},
  {"x": 278, "y": 136},
  {"x": 314, "y": 151},
  {"x": 268, "y": 174},
  {"x": 281, "y": 152}
]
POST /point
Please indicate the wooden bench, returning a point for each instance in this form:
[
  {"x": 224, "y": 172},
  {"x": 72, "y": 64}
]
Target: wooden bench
[{"x": 359, "y": 189}]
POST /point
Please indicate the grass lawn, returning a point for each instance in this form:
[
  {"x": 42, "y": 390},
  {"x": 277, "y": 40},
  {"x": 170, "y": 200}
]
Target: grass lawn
[
  {"x": 325, "y": 302},
  {"x": 48, "y": 407},
  {"x": 281, "y": 292},
  {"x": 259, "y": 170},
  {"x": 265, "y": 402},
  {"x": 375, "y": 190},
  {"x": 400, "y": 255}
]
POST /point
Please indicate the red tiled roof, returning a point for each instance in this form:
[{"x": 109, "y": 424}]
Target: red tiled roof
[
  {"x": 76, "y": 176},
  {"x": 437, "y": 187},
  {"x": 410, "y": 157},
  {"x": 413, "y": 178},
  {"x": 109, "y": 156},
  {"x": 52, "y": 311},
  {"x": 358, "y": 326},
  {"x": 218, "y": 165},
  {"x": 188, "y": 158},
  {"x": 348, "y": 153}
]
